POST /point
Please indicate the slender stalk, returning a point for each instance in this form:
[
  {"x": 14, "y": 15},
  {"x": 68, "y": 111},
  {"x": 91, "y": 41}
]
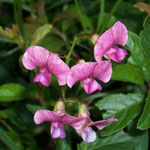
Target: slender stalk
[
  {"x": 81, "y": 16},
  {"x": 101, "y": 14},
  {"x": 5, "y": 124},
  {"x": 40, "y": 92},
  {"x": 18, "y": 15},
  {"x": 70, "y": 51},
  {"x": 110, "y": 15}
]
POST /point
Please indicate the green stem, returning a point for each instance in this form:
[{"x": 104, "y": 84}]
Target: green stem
[
  {"x": 18, "y": 15},
  {"x": 81, "y": 16},
  {"x": 101, "y": 14},
  {"x": 110, "y": 15},
  {"x": 70, "y": 51}
]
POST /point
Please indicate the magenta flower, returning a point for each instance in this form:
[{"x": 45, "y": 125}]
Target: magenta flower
[
  {"x": 83, "y": 127},
  {"x": 36, "y": 56},
  {"x": 58, "y": 119},
  {"x": 86, "y": 72},
  {"x": 106, "y": 45}
]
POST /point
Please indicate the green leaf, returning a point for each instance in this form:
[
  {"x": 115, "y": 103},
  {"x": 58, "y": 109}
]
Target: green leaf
[
  {"x": 143, "y": 141},
  {"x": 7, "y": 141},
  {"x": 12, "y": 92},
  {"x": 122, "y": 107},
  {"x": 138, "y": 55},
  {"x": 33, "y": 108},
  {"x": 118, "y": 141},
  {"x": 144, "y": 121},
  {"x": 127, "y": 73},
  {"x": 3, "y": 114},
  {"x": 40, "y": 34},
  {"x": 62, "y": 144},
  {"x": 145, "y": 38}
]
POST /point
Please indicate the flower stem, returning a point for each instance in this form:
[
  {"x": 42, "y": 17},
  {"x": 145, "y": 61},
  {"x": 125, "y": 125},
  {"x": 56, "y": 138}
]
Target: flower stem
[
  {"x": 101, "y": 14},
  {"x": 40, "y": 92},
  {"x": 70, "y": 51},
  {"x": 110, "y": 15}
]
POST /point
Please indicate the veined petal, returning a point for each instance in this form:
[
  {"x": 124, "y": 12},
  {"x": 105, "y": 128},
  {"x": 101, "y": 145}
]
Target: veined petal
[
  {"x": 35, "y": 56},
  {"x": 116, "y": 35},
  {"x": 102, "y": 123},
  {"x": 46, "y": 115},
  {"x": 59, "y": 68},
  {"x": 88, "y": 135},
  {"x": 90, "y": 85},
  {"x": 43, "y": 77},
  {"x": 80, "y": 72},
  {"x": 116, "y": 54},
  {"x": 57, "y": 130},
  {"x": 120, "y": 33},
  {"x": 103, "y": 71}
]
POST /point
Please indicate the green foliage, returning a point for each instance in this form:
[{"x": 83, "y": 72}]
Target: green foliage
[
  {"x": 117, "y": 141},
  {"x": 122, "y": 107},
  {"x": 40, "y": 34},
  {"x": 138, "y": 56},
  {"x": 13, "y": 92},
  {"x": 127, "y": 73},
  {"x": 144, "y": 121},
  {"x": 145, "y": 38},
  {"x": 7, "y": 141}
]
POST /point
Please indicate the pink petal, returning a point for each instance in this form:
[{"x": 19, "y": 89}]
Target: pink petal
[
  {"x": 80, "y": 124},
  {"x": 103, "y": 71},
  {"x": 67, "y": 119},
  {"x": 88, "y": 135},
  {"x": 120, "y": 33},
  {"x": 46, "y": 115},
  {"x": 90, "y": 85},
  {"x": 57, "y": 67},
  {"x": 44, "y": 77},
  {"x": 102, "y": 123},
  {"x": 35, "y": 56},
  {"x": 57, "y": 130},
  {"x": 117, "y": 35},
  {"x": 80, "y": 72},
  {"x": 116, "y": 54}
]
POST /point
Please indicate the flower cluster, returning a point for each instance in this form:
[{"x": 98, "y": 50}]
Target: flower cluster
[{"x": 106, "y": 46}]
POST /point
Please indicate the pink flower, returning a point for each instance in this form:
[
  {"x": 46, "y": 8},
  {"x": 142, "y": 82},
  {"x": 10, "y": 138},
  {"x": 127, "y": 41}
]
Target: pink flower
[
  {"x": 106, "y": 45},
  {"x": 58, "y": 119},
  {"x": 86, "y": 72},
  {"x": 83, "y": 127},
  {"x": 36, "y": 56}
]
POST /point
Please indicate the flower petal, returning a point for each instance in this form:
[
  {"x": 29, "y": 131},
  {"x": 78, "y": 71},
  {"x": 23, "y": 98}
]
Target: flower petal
[
  {"x": 59, "y": 68},
  {"x": 43, "y": 77},
  {"x": 120, "y": 33},
  {"x": 116, "y": 54},
  {"x": 80, "y": 72},
  {"x": 103, "y": 71},
  {"x": 35, "y": 56},
  {"x": 102, "y": 123},
  {"x": 88, "y": 135},
  {"x": 90, "y": 85},
  {"x": 80, "y": 124},
  {"x": 46, "y": 115},
  {"x": 57, "y": 130},
  {"x": 117, "y": 35}
]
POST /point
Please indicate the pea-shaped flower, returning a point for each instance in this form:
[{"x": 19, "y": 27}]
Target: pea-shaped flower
[
  {"x": 107, "y": 44},
  {"x": 84, "y": 127},
  {"x": 36, "y": 56},
  {"x": 86, "y": 72},
  {"x": 58, "y": 119}
]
